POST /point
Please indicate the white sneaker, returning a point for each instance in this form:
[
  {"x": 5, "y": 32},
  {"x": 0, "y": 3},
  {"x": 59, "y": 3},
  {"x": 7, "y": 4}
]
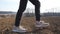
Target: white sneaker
[
  {"x": 41, "y": 24},
  {"x": 19, "y": 29}
]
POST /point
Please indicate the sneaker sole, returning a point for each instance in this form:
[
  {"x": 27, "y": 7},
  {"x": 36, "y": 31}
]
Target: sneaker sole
[
  {"x": 18, "y": 31},
  {"x": 42, "y": 27}
]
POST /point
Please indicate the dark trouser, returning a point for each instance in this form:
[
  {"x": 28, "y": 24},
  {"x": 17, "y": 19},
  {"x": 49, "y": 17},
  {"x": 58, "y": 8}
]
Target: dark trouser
[{"x": 22, "y": 7}]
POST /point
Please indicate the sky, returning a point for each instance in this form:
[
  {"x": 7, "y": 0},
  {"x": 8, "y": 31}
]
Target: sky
[{"x": 13, "y": 5}]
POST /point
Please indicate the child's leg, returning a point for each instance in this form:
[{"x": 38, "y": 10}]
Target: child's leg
[{"x": 21, "y": 9}]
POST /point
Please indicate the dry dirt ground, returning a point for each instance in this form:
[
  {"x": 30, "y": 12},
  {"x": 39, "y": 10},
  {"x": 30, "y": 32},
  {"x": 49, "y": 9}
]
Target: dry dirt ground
[{"x": 6, "y": 25}]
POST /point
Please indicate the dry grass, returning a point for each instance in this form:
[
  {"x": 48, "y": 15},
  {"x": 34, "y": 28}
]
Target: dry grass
[{"x": 28, "y": 22}]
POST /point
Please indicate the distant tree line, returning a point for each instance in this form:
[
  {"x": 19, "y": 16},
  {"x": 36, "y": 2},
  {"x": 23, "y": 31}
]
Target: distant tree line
[
  {"x": 29, "y": 14},
  {"x": 50, "y": 14}
]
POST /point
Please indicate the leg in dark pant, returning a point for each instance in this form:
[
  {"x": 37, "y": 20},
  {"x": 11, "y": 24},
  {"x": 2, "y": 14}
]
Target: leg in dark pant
[
  {"x": 22, "y": 7},
  {"x": 37, "y": 8}
]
